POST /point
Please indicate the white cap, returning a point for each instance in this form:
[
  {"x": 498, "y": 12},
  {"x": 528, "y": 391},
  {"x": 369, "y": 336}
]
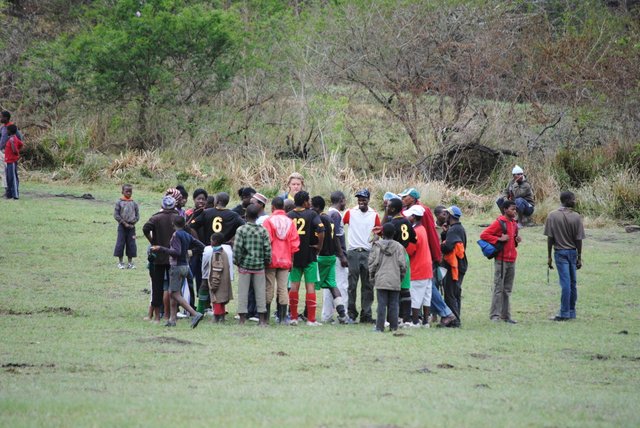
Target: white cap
[
  {"x": 416, "y": 210},
  {"x": 517, "y": 170}
]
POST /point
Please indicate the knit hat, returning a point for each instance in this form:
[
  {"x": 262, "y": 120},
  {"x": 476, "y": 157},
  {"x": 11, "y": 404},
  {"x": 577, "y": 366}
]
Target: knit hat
[
  {"x": 174, "y": 193},
  {"x": 411, "y": 191},
  {"x": 260, "y": 198},
  {"x": 168, "y": 203},
  {"x": 415, "y": 210},
  {"x": 454, "y": 211},
  {"x": 517, "y": 170}
]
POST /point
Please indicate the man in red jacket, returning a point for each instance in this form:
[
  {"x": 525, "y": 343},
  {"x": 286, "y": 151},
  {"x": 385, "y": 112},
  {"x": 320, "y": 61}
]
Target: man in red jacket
[
  {"x": 284, "y": 243},
  {"x": 505, "y": 261}
]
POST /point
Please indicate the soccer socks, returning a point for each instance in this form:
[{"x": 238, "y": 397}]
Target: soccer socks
[
  {"x": 293, "y": 304},
  {"x": 311, "y": 307},
  {"x": 218, "y": 309}
]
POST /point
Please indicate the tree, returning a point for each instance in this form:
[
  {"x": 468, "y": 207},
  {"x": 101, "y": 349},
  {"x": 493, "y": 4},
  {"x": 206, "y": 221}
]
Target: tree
[{"x": 156, "y": 51}]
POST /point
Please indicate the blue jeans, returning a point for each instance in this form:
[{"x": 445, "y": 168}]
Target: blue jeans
[
  {"x": 524, "y": 208},
  {"x": 438, "y": 306},
  {"x": 566, "y": 261}
]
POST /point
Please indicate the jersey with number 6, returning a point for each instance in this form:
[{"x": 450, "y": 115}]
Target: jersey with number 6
[
  {"x": 308, "y": 223},
  {"x": 404, "y": 231},
  {"x": 215, "y": 220}
]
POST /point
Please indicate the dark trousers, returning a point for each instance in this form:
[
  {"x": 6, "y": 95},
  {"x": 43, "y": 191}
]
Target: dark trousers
[
  {"x": 126, "y": 241},
  {"x": 11, "y": 174},
  {"x": 359, "y": 269},
  {"x": 453, "y": 293},
  {"x": 158, "y": 274},
  {"x": 388, "y": 306}
]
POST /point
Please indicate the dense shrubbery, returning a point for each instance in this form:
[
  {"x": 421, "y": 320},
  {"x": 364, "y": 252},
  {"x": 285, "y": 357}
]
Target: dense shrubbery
[{"x": 365, "y": 91}]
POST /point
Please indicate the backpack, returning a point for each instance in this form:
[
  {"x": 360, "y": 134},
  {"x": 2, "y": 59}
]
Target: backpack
[{"x": 489, "y": 250}]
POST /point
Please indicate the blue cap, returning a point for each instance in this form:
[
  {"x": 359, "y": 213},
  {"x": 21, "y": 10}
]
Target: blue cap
[
  {"x": 388, "y": 196},
  {"x": 454, "y": 211}
]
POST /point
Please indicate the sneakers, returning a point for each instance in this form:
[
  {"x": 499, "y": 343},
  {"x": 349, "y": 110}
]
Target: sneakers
[
  {"x": 426, "y": 325},
  {"x": 182, "y": 315},
  {"x": 196, "y": 320},
  {"x": 121, "y": 266},
  {"x": 293, "y": 322},
  {"x": 412, "y": 325},
  {"x": 209, "y": 312},
  {"x": 386, "y": 324},
  {"x": 170, "y": 324},
  {"x": 254, "y": 319},
  {"x": 131, "y": 266},
  {"x": 313, "y": 323}
]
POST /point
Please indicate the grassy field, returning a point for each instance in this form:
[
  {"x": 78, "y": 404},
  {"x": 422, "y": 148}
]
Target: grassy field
[{"x": 74, "y": 350}]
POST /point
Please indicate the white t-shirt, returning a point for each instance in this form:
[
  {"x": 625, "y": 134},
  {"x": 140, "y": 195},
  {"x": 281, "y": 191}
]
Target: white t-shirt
[{"x": 360, "y": 227}]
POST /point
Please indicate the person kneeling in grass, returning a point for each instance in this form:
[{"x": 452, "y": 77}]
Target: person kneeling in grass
[
  {"x": 181, "y": 242},
  {"x": 387, "y": 267}
]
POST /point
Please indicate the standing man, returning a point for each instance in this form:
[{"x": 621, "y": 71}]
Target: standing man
[
  {"x": 159, "y": 230},
  {"x": 338, "y": 204},
  {"x": 411, "y": 197},
  {"x": 311, "y": 233},
  {"x": 505, "y": 230},
  {"x": 519, "y": 191},
  {"x": 361, "y": 221},
  {"x": 5, "y": 120},
  {"x": 331, "y": 251},
  {"x": 454, "y": 249},
  {"x": 565, "y": 231},
  {"x": 421, "y": 269}
]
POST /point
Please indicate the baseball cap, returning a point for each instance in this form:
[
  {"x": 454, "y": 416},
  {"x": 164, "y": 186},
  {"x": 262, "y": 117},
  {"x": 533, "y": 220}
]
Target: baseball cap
[
  {"x": 415, "y": 210},
  {"x": 411, "y": 191},
  {"x": 363, "y": 193},
  {"x": 454, "y": 211},
  {"x": 389, "y": 195}
]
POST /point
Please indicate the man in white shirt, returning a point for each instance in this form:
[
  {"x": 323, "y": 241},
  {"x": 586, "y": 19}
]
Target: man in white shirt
[{"x": 360, "y": 221}]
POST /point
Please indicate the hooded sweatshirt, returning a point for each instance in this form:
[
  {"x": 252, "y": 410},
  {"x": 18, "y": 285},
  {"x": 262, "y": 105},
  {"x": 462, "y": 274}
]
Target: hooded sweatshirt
[
  {"x": 387, "y": 264},
  {"x": 284, "y": 239}
]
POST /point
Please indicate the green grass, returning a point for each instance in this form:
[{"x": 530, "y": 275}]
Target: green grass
[{"x": 98, "y": 364}]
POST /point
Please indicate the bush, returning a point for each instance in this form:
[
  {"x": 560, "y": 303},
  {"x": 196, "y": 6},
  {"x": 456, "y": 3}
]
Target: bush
[
  {"x": 626, "y": 200},
  {"x": 92, "y": 168},
  {"x": 38, "y": 155}
]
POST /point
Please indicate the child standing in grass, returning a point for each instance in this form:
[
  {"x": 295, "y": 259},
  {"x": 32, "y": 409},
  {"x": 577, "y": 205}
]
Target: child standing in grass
[
  {"x": 216, "y": 276},
  {"x": 387, "y": 267},
  {"x": 11, "y": 157},
  {"x": 127, "y": 215}
]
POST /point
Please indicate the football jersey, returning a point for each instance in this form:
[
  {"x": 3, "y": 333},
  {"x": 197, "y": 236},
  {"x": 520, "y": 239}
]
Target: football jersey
[
  {"x": 404, "y": 231},
  {"x": 216, "y": 220},
  {"x": 308, "y": 223},
  {"x": 329, "y": 243}
]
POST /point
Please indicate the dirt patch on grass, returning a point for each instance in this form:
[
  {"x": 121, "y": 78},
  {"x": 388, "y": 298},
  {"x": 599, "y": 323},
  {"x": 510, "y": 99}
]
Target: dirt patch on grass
[
  {"x": 480, "y": 356},
  {"x": 446, "y": 366},
  {"x": 280, "y": 354},
  {"x": 25, "y": 368},
  {"x": 47, "y": 310},
  {"x": 600, "y": 357},
  {"x": 167, "y": 339},
  {"x": 424, "y": 370}
]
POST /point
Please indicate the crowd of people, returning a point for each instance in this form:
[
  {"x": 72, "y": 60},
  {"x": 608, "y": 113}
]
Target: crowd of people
[{"x": 397, "y": 257}]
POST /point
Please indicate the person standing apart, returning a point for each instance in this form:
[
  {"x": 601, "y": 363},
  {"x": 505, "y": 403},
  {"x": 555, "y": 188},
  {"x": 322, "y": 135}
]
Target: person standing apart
[
  {"x": 361, "y": 221},
  {"x": 519, "y": 191},
  {"x": 11, "y": 157},
  {"x": 504, "y": 229},
  {"x": 565, "y": 232},
  {"x": 127, "y": 214},
  {"x": 5, "y": 120}
]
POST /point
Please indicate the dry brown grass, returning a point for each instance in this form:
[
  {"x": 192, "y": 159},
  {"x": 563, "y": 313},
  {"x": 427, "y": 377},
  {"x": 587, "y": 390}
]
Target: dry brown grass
[{"x": 150, "y": 159}]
